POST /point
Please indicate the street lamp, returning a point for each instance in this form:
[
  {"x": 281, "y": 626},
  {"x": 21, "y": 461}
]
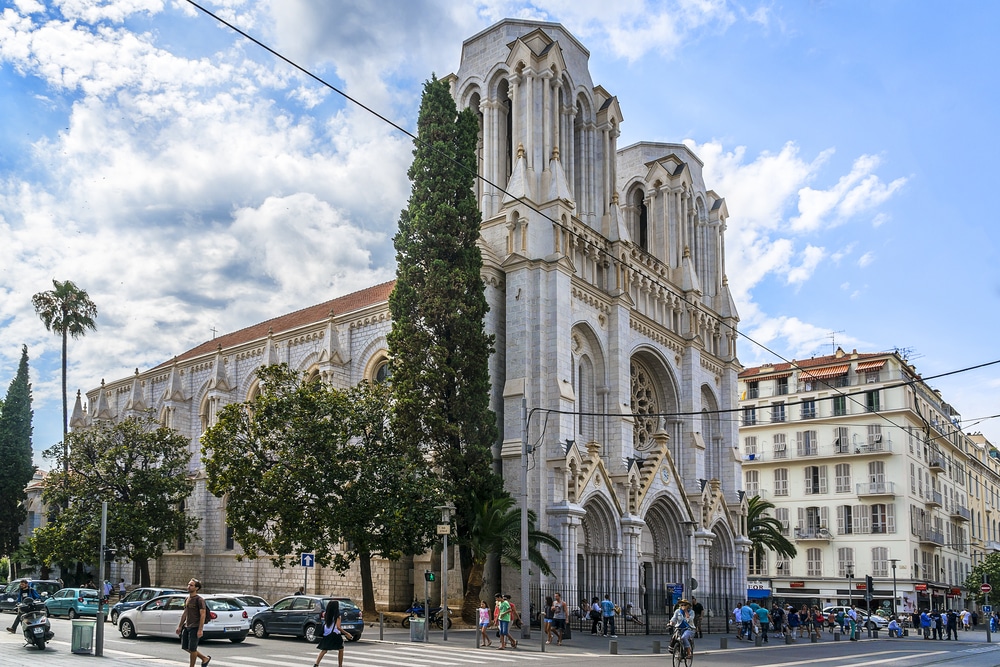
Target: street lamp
[
  {"x": 686, "y": 585},
  {"x": 895, "y": 609},
  {"x": 850, "y": 585},
  {"x": 444, "y": 529}
]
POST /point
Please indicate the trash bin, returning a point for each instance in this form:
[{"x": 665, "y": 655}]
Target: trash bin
[
  {"x": 418, "y": 629},
  {"x": 82, "y": 638}
]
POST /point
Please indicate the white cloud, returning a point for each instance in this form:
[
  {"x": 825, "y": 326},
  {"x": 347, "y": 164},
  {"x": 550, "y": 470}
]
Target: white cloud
[
  {"x": 811, "y": 258},
  {"x": 866, "y": 259},
  {"x": 857, "y": 191}
]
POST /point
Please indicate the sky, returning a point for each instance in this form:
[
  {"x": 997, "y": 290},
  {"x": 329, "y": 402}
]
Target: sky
[{"x": 191, "y": 182}]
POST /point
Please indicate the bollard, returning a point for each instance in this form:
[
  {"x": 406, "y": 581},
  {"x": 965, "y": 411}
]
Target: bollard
[
  {"x": 758, "y": 640},
  {"x": 541, "y": 646},
  {"x": 875, "y": 633},
  {"x": 613, "y": 647},
  {"x": 656, "y": 646},
  {"x": 814, "y": 638},
  {"x": 381, "y": 626},
  {"x": 836, "y": 636},
  {"x": 723, "y": 643},
  {"x": 789, "y": 639}
]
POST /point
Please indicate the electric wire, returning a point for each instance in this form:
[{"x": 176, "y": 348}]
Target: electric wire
[{"x": 614, "y": 260}]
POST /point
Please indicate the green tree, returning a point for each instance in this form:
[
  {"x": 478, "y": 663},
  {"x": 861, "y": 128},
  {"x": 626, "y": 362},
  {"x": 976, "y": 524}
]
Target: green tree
[
  {"x": 16, "y": 467},
  {"x": 141, "y": 469},
  {"x": 439, "y": 348},
  {"x": 990, "y": 566},
  {"x": 305, "y": 467},
  {"x": 496, "y": 529},
  {"x": 68, "y": 311},
  {"x": 764, "y": 530}
]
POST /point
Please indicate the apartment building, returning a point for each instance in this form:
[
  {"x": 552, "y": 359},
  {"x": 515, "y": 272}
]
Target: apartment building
[{"x": 870, "y": 474}]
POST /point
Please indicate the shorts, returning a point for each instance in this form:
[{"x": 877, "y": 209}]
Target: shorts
[
  {"x": 504, "y": 628},
  {"x": 558, "y": 623},
  {"x": 189, "y": 639},
  {"x": 484, "y": 624}
]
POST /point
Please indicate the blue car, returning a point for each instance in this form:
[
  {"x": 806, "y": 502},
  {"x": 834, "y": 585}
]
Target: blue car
[
  {"x": 136, "y": 598},
  {"x": 72, "y": 602}
]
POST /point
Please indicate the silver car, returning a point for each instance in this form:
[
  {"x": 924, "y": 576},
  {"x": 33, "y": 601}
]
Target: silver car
[
  {"x": 254, "y": 604},
  {"x": 226, "y": 618}
]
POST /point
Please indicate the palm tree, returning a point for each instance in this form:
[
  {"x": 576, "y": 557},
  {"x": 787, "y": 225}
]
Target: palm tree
[
  {"x": 496, "y": 529},
  {"x": 68, "y": 311},
  {"x": 764, "y": 530}
]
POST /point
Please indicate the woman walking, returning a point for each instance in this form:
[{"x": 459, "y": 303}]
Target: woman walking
[
  {"x": 547, "y": 619},
  {"x": 333, "y": 636}
]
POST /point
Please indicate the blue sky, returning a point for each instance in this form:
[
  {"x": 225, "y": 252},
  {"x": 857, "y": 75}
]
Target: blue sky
[{"x": 188, "y": 180}]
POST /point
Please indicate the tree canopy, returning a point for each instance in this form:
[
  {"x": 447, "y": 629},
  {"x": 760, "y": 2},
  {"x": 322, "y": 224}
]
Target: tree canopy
[
  {"x": 305, "y": 467},
  {"x": 16, "y": 467},
  {"x": 438, "y": 344},
  {"x": 764, "y": 530},
  {"x": 141, "y": 469},
  {"x": 989, "y": 566}
]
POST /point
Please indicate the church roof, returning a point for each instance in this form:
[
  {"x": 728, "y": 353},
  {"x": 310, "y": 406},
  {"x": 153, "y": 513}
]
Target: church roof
[{"x": 343, "y": 304}]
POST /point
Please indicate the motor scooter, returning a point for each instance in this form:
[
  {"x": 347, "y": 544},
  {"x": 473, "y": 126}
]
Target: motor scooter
[
  {"x": 35, "y": 623},
  {"x": 437, "y": 615}
]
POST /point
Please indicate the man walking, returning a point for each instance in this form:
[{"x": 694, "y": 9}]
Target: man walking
[
  {"x": 559, "y": 614},
  {"x": 746, "y": 620},
  {"x": 698, "y": 609},
  {"x": 192, "y": 624},
  {"x": 763, "y": 617}
]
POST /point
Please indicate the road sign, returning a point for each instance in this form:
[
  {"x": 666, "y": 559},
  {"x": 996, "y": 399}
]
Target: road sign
[
  {"x": 987, "y": 609},
  {"x": 678, "y": 590},
  {"x": 985, "y": 588},
  {"x": 307, "y": 560},
  {"x": 444, "y": 529}
]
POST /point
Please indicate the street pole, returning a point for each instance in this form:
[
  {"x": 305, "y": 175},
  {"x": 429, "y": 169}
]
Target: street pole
[
  {"x": 989, "y": 637},
  {"x": 444, "y": 529},
  {"x": 99, "y": 630},
  {"x": 850, "y": 593},
  {"x": 895, "y": 609},
  {"x": 525, "y": 593}
]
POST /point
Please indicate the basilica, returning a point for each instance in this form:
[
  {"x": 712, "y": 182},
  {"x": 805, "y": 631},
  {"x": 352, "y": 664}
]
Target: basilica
[{"x": 604, "y": 270}]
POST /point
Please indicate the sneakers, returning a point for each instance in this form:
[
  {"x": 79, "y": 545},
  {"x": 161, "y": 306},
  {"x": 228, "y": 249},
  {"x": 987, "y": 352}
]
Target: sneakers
[
  {"x": 10, "y": 630},
  {"x": 614, "y": 636}
]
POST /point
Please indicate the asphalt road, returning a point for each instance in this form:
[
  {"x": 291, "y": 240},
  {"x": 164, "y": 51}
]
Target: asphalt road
[{"x": 460, "y": 651}]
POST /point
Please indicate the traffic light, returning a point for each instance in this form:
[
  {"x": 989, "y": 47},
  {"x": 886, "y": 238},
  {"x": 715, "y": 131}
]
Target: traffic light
[
  {"x": 869, "y": 587},
  {"x": 109, "y": 554},
  {"x": 429, "y": 576}
]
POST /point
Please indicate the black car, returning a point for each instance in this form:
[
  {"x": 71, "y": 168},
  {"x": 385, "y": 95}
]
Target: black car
[
  {"x": 137, "y": 597},
  {"x": 302, "y": 615},
  {"x": 44, "y": 588}
]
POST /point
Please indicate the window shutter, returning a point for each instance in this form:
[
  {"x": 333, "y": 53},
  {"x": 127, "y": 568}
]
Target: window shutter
[
  {"x": 890, "y": 517},
  {"x": 822, "y": 479},
  {"x": 824, "y": 517},
  {"x": 798, "y": 443},
  {"x": 840, "y": 520},
  {"x": 802, "y": 518},
  {"x": 862, "y": 518},
  {"x": 809, "y": 488}
]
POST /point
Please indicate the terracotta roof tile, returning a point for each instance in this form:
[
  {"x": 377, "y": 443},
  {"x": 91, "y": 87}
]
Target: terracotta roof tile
[
  {"x": 343, "y": 304},
  {"x": 805, "y": 364}
]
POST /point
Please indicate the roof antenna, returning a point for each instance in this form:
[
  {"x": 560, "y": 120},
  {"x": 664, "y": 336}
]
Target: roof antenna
[{"x": 833, "y": 340}]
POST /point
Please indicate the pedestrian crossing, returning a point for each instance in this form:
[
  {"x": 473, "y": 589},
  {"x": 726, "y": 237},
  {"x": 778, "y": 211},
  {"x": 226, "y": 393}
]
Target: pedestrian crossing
[{"x": 375, "y": 654}]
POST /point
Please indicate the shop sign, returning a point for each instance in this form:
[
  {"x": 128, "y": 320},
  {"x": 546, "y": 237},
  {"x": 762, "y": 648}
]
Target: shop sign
[
  {"x": 796, "y": 584},
  {"x": 920, "y": 587}
]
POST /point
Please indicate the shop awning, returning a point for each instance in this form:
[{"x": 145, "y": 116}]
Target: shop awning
[
  {"x": 868, "y": 366},
  {"x": 825, "y": 373},
  {"x": 758, "y": 593},
  {"x": 768, "y": 376}
]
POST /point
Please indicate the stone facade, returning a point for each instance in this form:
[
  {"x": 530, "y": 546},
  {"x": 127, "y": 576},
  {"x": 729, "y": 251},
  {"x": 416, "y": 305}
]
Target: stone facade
[{"x": 605, "y": 275}]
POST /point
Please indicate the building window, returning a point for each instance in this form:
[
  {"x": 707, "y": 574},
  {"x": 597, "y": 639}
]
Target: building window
[
  {"x": 871, "y": 401},
  {"x": 383, "y": 372},
  {"x": 781, "y": 481},
  {"x": 777, "y": 412},
  {"x": 806, "y": 443},
  {"x": 814, "y": 562},
  {"x": 883, "y": 518},
  {"x": 749, "y": 416},
  {"x": 750, "y": 446},
  {"x": 880, "y": 562},
  {"x": 815, "y": 478},
  {"x": 843, "y": 478},
  {"x": 845, "y": 559},
  {"x": 871, "y": 377},
  {"x": 752, "y": 485},
  {"x": 781, "y": 514},
  {"x": 839, "y": 406},
  {"x": 809, "y": 409},
  {"x": 845, "y": 520},
  {"x": 780, "y": 451},
  {"x": 841, "y": 440},
  {"x": 758, "y": 562},
  {"x": 230, "y": 542},
  {"x": 782, "y": 386},
  {"x": 875, "y": 437},
  {"x": 753, "y": 389}
]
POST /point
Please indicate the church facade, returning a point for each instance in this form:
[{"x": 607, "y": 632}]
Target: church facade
[{"x": 604, "y": 269}]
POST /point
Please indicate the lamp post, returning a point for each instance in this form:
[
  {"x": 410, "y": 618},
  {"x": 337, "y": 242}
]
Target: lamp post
[
  {"x": 525, "y": 563},
  {"x": 850, "y": 585},
  {"x": 444, "y": 529},
  {"x": 895, "y": 609},
  {"x": 689, "y": 527}
]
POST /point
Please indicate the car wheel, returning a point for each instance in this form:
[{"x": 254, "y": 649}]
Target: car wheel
[
  {"x": 259, "y": 631},
  {"x": 127, "y": 629},
  {"x": 71, "y": 614},
  {"x": 236, "y": 640},
  {"x": 309, "y": 632},
  {"x": 114, "y": 618}
]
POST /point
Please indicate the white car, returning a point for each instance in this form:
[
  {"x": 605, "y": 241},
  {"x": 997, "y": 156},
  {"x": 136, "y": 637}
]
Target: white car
[
  {"x": 226, "y": 619},
  {"x": 873, "y": 622},
  {"x": 254, "y": 604}
]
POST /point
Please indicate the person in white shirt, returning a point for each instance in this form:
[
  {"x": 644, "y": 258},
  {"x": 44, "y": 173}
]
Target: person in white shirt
[
  {"x": 683, "y": 622},
  {"x": 966, "y": 619},
  {"x": 894, "y": 629}
]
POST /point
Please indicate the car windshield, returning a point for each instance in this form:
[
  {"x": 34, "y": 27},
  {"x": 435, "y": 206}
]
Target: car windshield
[
  {"x": 88, "y": 593},
  {"x": 223, "y": 604},
  {"x": 46, "y": 587},
  {"x": 252, "y": 601}
]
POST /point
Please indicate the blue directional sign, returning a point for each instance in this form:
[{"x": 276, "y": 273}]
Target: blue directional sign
[
  {"x": 307, "y": 560},
  {"x": 678, "y": 590}
]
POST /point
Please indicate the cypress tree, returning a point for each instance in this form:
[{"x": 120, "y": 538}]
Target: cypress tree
[
  {"x": 16, "y": 467},
  {"x": 438, "y": 344}
]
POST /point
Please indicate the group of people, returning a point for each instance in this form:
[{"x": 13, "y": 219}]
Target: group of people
[
  {"x": 751, "y": 620},
  {"x": 504, "y": 613},
  {"x": 935, "y": 624}
]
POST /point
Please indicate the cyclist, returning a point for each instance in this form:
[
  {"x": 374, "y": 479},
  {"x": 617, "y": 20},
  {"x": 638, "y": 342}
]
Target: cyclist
[{"x": 683, "y": 624}]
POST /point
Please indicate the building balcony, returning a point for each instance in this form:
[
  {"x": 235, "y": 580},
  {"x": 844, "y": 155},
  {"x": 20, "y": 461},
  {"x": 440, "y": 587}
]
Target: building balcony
[
  {"x": 931, "y": 537},
  {"x": 753, "y": 458},
  {"x": 936, "y": 463},
  {"x": 876, "y": 489},
  {"x": 960, "y": 513},
  {"x": 992, "y": 546},
  {"x": 876, "y": 445},
  {"x": 812, "y": 535},
  {"x": 933, "y": 499}
]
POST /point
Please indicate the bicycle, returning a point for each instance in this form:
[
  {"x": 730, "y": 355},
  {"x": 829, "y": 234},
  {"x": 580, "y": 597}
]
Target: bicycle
[{"x": 681, "y": 658}]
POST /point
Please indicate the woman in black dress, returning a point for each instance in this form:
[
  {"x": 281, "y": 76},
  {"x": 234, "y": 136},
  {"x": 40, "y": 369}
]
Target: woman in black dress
[{"x": 332, "y": 636}]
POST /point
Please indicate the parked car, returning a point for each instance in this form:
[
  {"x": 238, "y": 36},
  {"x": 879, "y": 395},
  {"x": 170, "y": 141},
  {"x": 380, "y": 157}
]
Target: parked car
[
  {"x": 73, "y": 602},
  {"x": 45, "y": 588},
  {"x": 301, "y": 615},
  {"x": 226, "y": 618},
  {"x": 254, "y": 604},
  {"x": 137, "y": 597},
  {"x": 873, "y": 622}
]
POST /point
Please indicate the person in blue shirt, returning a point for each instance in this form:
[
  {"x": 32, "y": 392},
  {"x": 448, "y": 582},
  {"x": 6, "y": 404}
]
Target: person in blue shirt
[
  {"x": 683, "y": 621},
  {"x": 746, "y": 618},
  {"x": 762, "y": 616},
  {"x": 608, "y": 615},
  {"x": 23, "y": 592}
]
